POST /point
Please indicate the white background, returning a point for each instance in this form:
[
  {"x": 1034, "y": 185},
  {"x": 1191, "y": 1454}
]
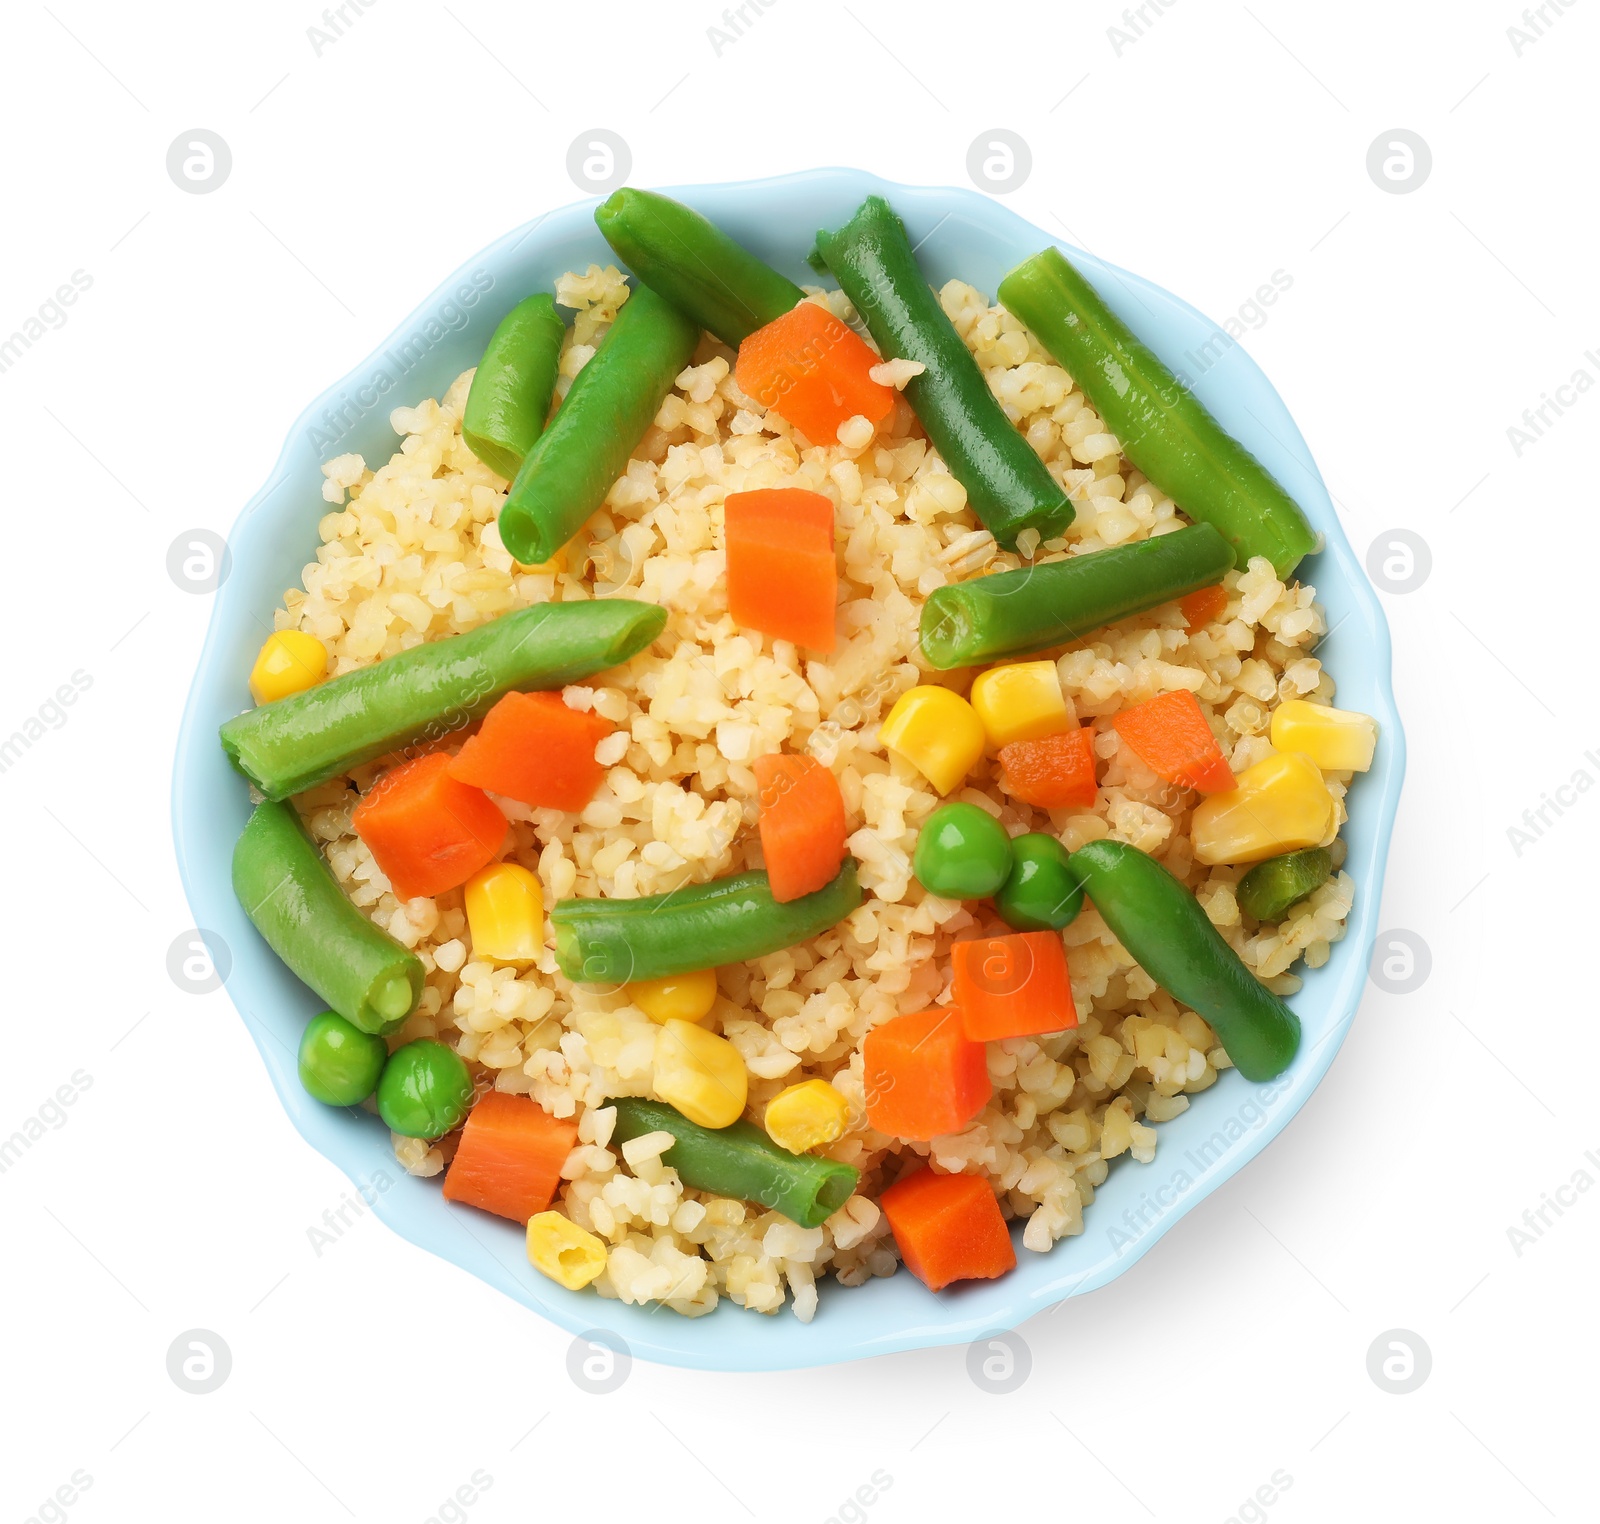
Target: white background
[{"x": 1225, "y": 143}]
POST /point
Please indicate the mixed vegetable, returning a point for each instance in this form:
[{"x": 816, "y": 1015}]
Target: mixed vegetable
[{"x": 459, "y": 724}]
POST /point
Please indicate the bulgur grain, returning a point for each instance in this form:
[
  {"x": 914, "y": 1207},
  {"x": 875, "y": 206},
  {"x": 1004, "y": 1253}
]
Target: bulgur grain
[{"x": 411, "y": 553}]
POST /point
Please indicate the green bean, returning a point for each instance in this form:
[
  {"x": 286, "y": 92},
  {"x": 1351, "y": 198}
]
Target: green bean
[
  {"x": 1036, "y": 607},
  {"x": 512, "y": 387},
  {"x": 291, "y": 896},
  {"x": 700, "y": 926},
  {"x": 1161, "y": 425},
  {"x": 586, "y": 446},
  {"x": 296, "y": 742},
  {"x": 694, "y": 264},
  {"x": 741, "y": 1161},
  {"x": 1271, "y": 888},
  {"x": 1172, "y": 939},
  {"x": 1008, "y": 486}
]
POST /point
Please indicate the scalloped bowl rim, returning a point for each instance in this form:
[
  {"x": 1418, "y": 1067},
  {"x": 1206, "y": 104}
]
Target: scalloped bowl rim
[{"x": 958, "y": 232}]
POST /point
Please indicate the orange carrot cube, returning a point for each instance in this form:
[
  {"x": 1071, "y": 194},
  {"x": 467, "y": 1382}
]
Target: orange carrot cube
[
  {"x": 1054, "y": 772},
  {"x": 534, "y": 748},
  {"x": 1201, "y": 607},
  {"x": 428, "y": 832},
  {"x": 948, "y": 1228},
  {"x": 1012, "y": 986},
  {"x": 510, "y": 1155},
  {"x": 923, "y": 1077},
  {"x": 782, "y": 576},
  {"x": 813, "y": 370},
  {"x": 802, "y": 824},
  {"x": 1169, "y": 734}
]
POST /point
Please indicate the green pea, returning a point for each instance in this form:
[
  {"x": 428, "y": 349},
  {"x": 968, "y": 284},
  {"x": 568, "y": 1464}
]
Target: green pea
[
  {"x": 339, "y": 1063},
  {"x": 963, "y": 853},
  {"x": 1043, "y": 893},
  {"x": 424, "y": 1090}
]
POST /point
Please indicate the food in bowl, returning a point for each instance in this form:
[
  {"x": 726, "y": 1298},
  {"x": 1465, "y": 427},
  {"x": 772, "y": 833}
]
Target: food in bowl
[{"x": 777, "y": 781}]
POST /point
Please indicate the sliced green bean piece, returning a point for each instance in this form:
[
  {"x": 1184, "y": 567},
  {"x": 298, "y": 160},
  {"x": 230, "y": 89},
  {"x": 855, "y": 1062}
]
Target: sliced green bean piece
[
  {"x": 700, "y": 926},
  {"x": 741, "y": 1161},
  {"x": 425, "y": 693},
  {"x": 1036, "y": 607},
  {"x": 1172, "y": 939},
  {"x": 689, "y": 260},
  {"x": 1272, "y": 887},
  {"x": 294, "y": 901},
  {"x": 1008, "y": 486},
  {"x": 1161, "y": 425},
  {"x": 586, "y": 446},
  {"x": 512, "y": 387}
]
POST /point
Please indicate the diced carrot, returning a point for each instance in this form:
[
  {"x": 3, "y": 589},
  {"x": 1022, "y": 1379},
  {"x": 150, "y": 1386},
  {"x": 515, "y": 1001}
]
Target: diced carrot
[
  {"x": 802, "y": 824},
  {"x": 782, "y": 576},
  {"x": 1170, "y": 736},
  {"x": 1201, "y": 607},
  {"x": 813, "y": 369},
  {"x": 948, "y": 1228},
  {"x": 510, "y": 1155},
  {"x": 1012, "y": 986},
  {"x": 532, "y": 747},
  {"x": 428, "y": 832},
  {"x": 922, "y": 1077},
  {"x": 1053, "y": 773}
]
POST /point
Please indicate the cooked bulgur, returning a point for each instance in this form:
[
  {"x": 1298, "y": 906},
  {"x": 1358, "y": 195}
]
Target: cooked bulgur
[{"x": 411, "y": 553}]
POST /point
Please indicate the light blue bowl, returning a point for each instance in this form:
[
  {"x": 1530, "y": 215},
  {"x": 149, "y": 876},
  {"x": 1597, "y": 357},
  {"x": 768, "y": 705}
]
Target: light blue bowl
[{"x": 958, "y": 233}]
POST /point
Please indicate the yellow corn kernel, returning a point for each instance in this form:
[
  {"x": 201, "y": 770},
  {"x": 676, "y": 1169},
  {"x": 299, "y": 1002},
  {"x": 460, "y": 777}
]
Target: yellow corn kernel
[
  {"x": 1020, "y": 702},
  {"x": 700, "y": 1073},
  {"x": 1280, "y": 805},
  {"x": 290, "y": 662},
  {"x": 806, "y": 1116},
  {"x": 938, "y": 732},
  {"x": 1337, "y": 740},
  {"x": 505, "y": 913},
  {"x": 571, "y": 1256},
  {"x": 678, "y": 997}
]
